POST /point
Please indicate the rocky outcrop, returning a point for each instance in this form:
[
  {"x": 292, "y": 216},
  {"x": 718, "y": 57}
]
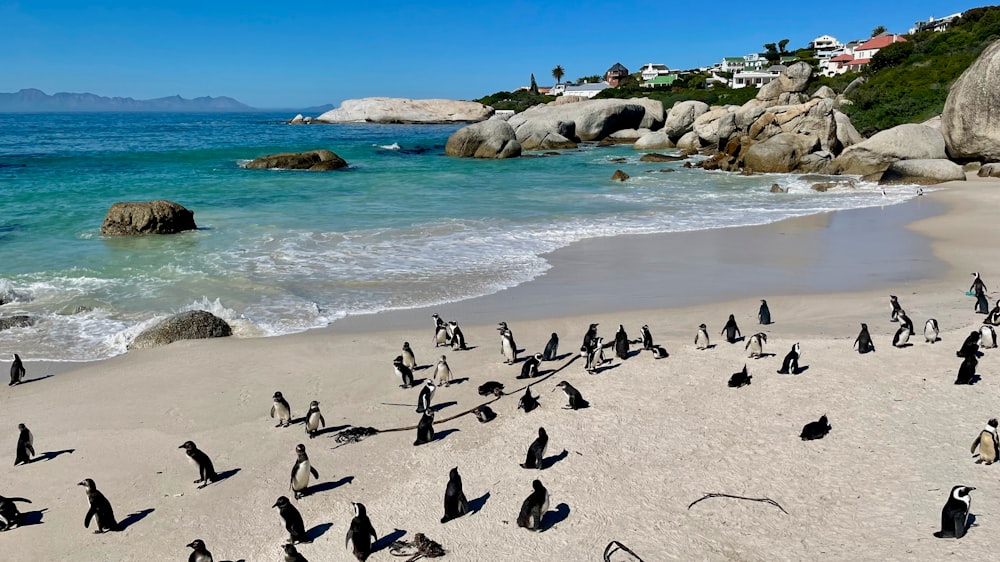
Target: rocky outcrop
[
  {"x": 654, "y": 157},
  {"x": 906, "y": 142},
  {"x": 147, "y": 217},
  {"x": 654, "y": 117},
  {"x": 653, "y": 141},
  {"x": 192, "y": 325},
  {"x": 778, "y": 154},
  {"x": 923, "y": 172},
  {"x": 619, "y": 176},
  {"x": 971, "y": 119},
  {"x": 681, "y": 117},
  {"x": 312, "y": 160},
  {"x": 300, "y": 120},
  {"x": 490, "y": 139},
  {"x": 588, "y": 120},
  {"x": 989, "y": 171},
  {"x": 716, "y": 123},
  {"x": 402, "y": 110},
  {"x": 17, "y": 321}
]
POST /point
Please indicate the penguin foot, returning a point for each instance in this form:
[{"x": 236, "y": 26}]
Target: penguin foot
[{"x": 203, "y": 485}]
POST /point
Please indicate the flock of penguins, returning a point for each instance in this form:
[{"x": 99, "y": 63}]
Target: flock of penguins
[{"x": 361, "y": 536}]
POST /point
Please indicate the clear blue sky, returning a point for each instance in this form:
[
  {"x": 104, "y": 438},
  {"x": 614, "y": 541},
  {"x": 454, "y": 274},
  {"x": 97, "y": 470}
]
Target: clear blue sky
[{"x": 297, "y": 54}]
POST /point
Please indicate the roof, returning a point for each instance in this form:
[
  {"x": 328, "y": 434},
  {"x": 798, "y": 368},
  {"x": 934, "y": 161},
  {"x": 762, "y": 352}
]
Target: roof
[
  {"x": 880, "y": 42},
  {"x": 662, "y": 80},
  {"x": 734, "y": 59},
  {"x": 842, "y": 58},
  {"x": 859, "y": 62},
  {"x": 618, "y": 68}
]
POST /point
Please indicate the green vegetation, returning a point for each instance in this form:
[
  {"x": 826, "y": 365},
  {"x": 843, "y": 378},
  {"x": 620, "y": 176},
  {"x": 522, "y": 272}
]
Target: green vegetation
[
  {"x": 518, "y": 101},
  {"x": 558, "y": 73},
  {"x": 534, "y": 85},
  {"x": 687, "y": 87},
  {"x": 879, "y": 30}
]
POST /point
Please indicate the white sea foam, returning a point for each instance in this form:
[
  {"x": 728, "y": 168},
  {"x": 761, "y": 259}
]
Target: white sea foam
[{"x": 393, "y": 146}]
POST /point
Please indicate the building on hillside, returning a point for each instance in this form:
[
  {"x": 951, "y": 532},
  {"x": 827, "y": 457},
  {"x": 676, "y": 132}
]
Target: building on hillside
[
  {"x": 859, "y": 56},
  {"x": 586, "y": 90},
  {"x": 558, "y": 89},
  {"x": 615, "y": 74},
  {"x": 660, "y": 81},
  {"x": 715, "y": 79},
  {"x": 651, "y": 70},
  {"x": 836, "y": 65},
  {"x": 939, "y": 24},
  {"x": 756, "y": 78},
  {"x": 732, "y": 64},
  {"x": 824, "y": 44},
  {"x": 868, "y": 49}
]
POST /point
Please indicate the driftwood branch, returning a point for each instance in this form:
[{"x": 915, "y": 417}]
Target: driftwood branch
[
  {"x": 762, "y": 500},
  {"x": 615, "y": 546}
]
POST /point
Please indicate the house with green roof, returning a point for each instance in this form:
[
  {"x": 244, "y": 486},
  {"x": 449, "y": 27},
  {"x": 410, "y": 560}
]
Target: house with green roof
[{"x": 663, "y": 81}]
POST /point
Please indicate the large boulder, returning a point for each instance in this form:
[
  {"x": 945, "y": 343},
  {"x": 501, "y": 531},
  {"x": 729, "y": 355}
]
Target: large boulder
[
  {"x": 778, "y": 154},
  {"x": 794, "y": 78},
  {"x": 654, "y": 117},
  {"x": 312, "y": 160},
  {"x": 708, "y": 125},
  {"x": 147, "y": 217},
  {"x": 402, "y": 110},
  {"x": 971, "y": 119},
  {"x": 923, "y": 172},
  {"x": 991, "y": 170},
  {"x": 587, "y": 120},
  {"x": 847, "y": 135},
  {"x": 681, "y": 117},
  {"x": 489, "y": 139},
  {"x": 689, "y": 142},
  {"x": 906, "y": 142},
  {"x": 192, "y": 325},
  {"x": 653, "y": 141}
]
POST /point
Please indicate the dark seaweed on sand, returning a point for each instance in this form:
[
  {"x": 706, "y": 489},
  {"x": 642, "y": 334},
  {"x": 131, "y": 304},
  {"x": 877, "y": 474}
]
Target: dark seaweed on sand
[{"x": 354, "y": 434}]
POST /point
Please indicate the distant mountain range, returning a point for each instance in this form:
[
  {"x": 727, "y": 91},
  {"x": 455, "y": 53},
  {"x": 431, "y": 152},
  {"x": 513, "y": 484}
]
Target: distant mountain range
[{"x": 32, "y": 100}]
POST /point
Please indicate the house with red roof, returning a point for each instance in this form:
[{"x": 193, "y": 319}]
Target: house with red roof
[{"x": 861, "y": 55}]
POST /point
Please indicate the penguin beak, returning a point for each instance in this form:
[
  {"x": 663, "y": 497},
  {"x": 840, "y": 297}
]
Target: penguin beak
[
  {"x": 275, "y": 505},
  {"x": 190, "y": 545},
  {"x": 969, "y": 488},
  {"x": 181, "y": 447},
  {"x": 81, "y": 483}
]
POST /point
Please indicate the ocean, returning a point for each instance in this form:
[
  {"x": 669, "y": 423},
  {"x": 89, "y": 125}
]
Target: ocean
[{"x": 278, "y": 252}]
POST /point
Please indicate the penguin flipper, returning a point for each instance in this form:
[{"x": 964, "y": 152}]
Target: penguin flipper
[
  {"x": 350, "y": 535},
  {"x": 272, "y": 410},
  {"x": 322, "y": 422},
  {"x": 30, "y": 449},
  {"x": 312, "y": 469},
  {"x": 90, "y": 515},
  {"x": 975, "y": 444},
  {"x": 960, "y": 520}
]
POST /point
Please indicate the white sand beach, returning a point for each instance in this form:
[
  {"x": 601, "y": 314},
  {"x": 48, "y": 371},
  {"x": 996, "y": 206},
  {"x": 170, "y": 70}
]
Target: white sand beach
[{"x": 659, "y": 434}]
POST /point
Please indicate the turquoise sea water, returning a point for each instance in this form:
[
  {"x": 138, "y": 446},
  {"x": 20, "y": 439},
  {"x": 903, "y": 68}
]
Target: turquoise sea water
[{"x": 283, "y": 251}]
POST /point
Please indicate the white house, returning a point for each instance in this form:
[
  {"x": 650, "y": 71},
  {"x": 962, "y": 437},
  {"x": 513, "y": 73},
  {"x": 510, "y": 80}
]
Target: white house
[
  {"x": 756, "y": 78},
  {"x": 824, "y": 44},
  {"x": 586, "y": 90},
  {"x": 651, "y": 70},
  {"x": 939, "y": 24},
  {"x": 868, "y": 49},
  {"x": 557, "y": 89}
]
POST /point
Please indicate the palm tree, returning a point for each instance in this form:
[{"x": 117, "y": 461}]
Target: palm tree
[
  {"x": 878, "y": 30},
  {"x": 558, "y": 73}
]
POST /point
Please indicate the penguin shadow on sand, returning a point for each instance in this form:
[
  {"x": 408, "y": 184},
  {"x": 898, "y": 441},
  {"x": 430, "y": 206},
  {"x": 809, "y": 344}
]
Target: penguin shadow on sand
[
  {"x": 386, "y": 541},
  {"x": 443, "y": 405},
  {"x": 134, "y": 517},
  {"x": 331, "y": 429},
  {"x": 552, "y": 518},
  {"x": 606, "y": 366},
  {"x": 476, "y": 504},
  {"x": 49, "y": 455},
  {"x": 547, "y": 462},
  {"x": 318, "y": 531},
  {"x": 327, "y": 486},
  {"x": 36, "y": 379},
  {"x": 458, "y": 380},
  {"x": 225, "y": 475},
  {"x": 31, "y": 517}
]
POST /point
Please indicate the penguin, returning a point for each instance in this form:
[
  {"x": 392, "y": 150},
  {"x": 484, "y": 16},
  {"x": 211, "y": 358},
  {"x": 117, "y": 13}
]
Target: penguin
[
  {"x": 647, "y": 338},
  {"x": 292, "y": 554},
  {"x": 590, "y": 337},
  {"x": 551, "y": 348},
  {"x": 994, "y": 315},
  {"x": 440, "y": 331},
  {"x": 314, "y": 419},
  {"x": 987, "y": 337},
  {"x": 596, "y": 356},
  {"x": 864, "y": 340},
  {"x": 16, "y": 371},
  {"x": 534, "y": 507},
  {"x": 967, "y": 370},
  {"x": 25, "y": 445},
  {"x": 740, "y": 379},
  {"x": 955, "y": 513},
  {"x": 731, "y": 330},
  {"x": 904, "y": 320},
  {"x": 408, "y": 358},
  {"x": 425, "y": 428},
  {"x": 701, "y": 338},
  {"x": 361, "y": 535},
  {"x": 489, "y": 388},
  {"x": 659, "y": 352},
  {"x": 756, "y": 345},
  {"x": 293, "y": 521},
  {"x": 790, "y": 364},
  {"x": 199, "y": 552},
  {"x": 455, "y": 504},
  {"x": 10, "y": 516},
  {"x": 977, "y": 284},
  {"x": 621, "y": 343},
  {"x": 100, "y": 508},
  {"x": 442, "y": 372},
  {"x": 282, "y": 410},
  {"x": 764, "y": 313},
  {"x": 404, "y": 372},
  {"x": 299, "y": 480},
  {"x": 982, "y": 305},
  {"x": 573, "y": 395},
  {"x": 536, "y": 451},
  {"x": 931, "y": 330},
  {"x": 988, "y": 443},
  {"x": 529, "y": 369},
  {"x": 815, "y": 430},
  {"x": 206, "y": 472},
  {"x": 527, "y": 401},
  {"x": 970, "y": 347},
  {"x": 426, "y": 393},
  {"x": 457, "y": 337},
  {"x": 901, "y": 337},
  {"x": 894, "y": 308},
  {"x": 507, "y": 347},
  {"x": 484, "y": 414}
]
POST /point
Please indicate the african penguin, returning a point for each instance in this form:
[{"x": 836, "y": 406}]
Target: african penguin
[
  {"x": 901, "y": 337},
  {"x": 701, "y": 338},
  {"x": 970, "y": 347},
  {"x": 536, "y": 451},
  {"x": 967, "y": 370},
  {"x": 756, "y": 345},
  {"x": 988, "y": 443},
  {"x": 426, "y": 393},
  {"x": 282, "y": 410},
  {"x": 621, "y": 342},
  {"x": 904, "y": 320},
  {"x": 931, "y": 330},
  {"x": 987, "y": 337},
  {"x": 790, "y": 364},
  {"x": 731, "y": 330},
  {"x": 894, "y": 308},
  {"x": 425, "y": 428},
  {"x": 206, "y": 471},
  {"x": 977, "y": 284},
  {"x": 100, "y": 509},
  {"x": 815, "y": 430},
  {"x": 527, "y": 402},
  {"x": 404, "y": 373},
  {"x": 551, "y": 348},
  {"x": 293, "y": 521},
  {"x": 573, "y": 395},
  {"x": 25, "y": 445},
  {"x": 529, "y": 369},
  {"x": 647, "y": 338},
  {"x": 489, "y": 388},
  {"x": 199, "y": 552},
  {"x": 408, "y": 358},
  {"x": 507, "y": 347},
  {"x": 982, "y": 305},
  {"x": 440, "y": 331},
  {"x": 16, "y": 371},
  {"x": 10, "y": 516},
  {"x": 314, "y": 419},
  {"x": 484, "y": 414},
  {"x": 442, "y": 372},
  {"x": 596, "y": 356},
  {"x": 994, "y": 315},
  {"x": 590, "y": 337},
  {"x": 740, "y": 379},
  {"x": 361, "y": 534},
  {"x": 457, "y": 337},
  {"x": 455, "y": 504},
  {"x": 299, "y": 480},
  {"x": 955, "y": 513},
  {"x": 534, "y": 507},
  {"x": 292, "y": 554},
  {"x": 659, "y": 352},
  {"x": 764, "y": 313},
  {"x": 864, "y": 340}
]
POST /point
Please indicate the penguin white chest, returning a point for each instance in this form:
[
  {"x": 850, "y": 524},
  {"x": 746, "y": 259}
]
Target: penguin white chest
[
  {"x": 281, "y": 411},
  {"x": 545, "y": 505},
  {"x": 301, "y": 477}
]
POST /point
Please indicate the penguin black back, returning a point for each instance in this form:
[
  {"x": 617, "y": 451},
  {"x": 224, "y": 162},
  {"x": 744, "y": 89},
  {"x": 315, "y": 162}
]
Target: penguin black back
[
  {"x": 536, "y": 451},
  {"x": 199, "y": 552},
  {"x": 292, "y": 554},
  {"x": 967, "y": 370},
  {"x": 361, "y": 535},
  {"x": 100, "y": 509},
  {"x": 815, "y": 430},
  {"x": 527, "y": 401},
  {"x": 764, "y": 313},
  {"x": 955, "y": 514},
  {"x": 534, "y": 507},
  {"x": 621, "y": 342},
  {"x": 551, "y": 348},
  {"x": 425, "y": 428},
  {"x": 575, "y": 400},
  {"x": 790, "y": 365},
  {"x": 16, "y": 371},
  {"x": 293, "y": 520},
  {"x": 455, "y": 504},
  {"x": 484, "y": 414},
  {"x": 864, "y": 340},
  {"x": 731, "y": 330},
  {"x": 740, "y": 379}
]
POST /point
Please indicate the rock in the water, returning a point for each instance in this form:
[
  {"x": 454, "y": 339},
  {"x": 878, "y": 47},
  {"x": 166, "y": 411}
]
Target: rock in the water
[
  {"x": 619, "y": 176},
  {"x": 654, "y": 157},
  {"x": 775, "y": 188},
  {"x": 991, "y": 170},
  {"x": 923, "y": 172},
  {"x": 778, "y": 154},
  {"x": 402, "y": 110},
  {"x": 681, "y": 117},
  {"x": 493, "y": 138},
  {"x": 588, "y": 120},
  {"x": 654, "y": 113},
  {"x": 653, "y": 141},
  {"x": 192, "y": 325},
  {"x": 297, "y": 120},
  {"x": 313, "y": 160},
  {"x": 147, "y": 217},
  {"x": 905, "y": 142},
  {"x": 971, "y": 119},
  {"x": 17, "y": 321},
  {"x": 689, "y": 143}
]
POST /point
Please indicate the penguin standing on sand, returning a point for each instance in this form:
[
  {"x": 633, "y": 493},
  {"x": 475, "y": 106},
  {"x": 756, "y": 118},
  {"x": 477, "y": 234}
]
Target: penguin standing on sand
[
  {"x": 894, "y": 308},
  {"x": 731, "y": 330},
  {"x": 740, "y": 379},
  {"x": 977, "y": 284},
  {"x": 551, "y": 348},
  {"x": 100, "y": 509},
  {"x": 404, "y": 372},
  {"x": 904, "y": 320},
  {"x": 442, "y": 372},
  {"x": 575, "y": 399},
  {"x": 425, "y": 428},
  {"x": 507, "y": 346},
  {"x": 756, "y": 345},
  {"x": 10, "y": 517},
  {"x": 931, "y": 330},
  {"x": 314, "y": 418},
  {"x": 647, "y": 338},
  {"x": 455, "y": 504},
  {"x": 293, "y": 521},
  {"x": 529, "y": 369},
  {"x": 790, "y": 364},
  {"x": 864, "y": 340},
  {"x": 988, "y": 443},
  {"x": 621, "y": 343},
  {"x": 282, "y": 410},
  {"x": 596, "y": 356},
  {"x": 440, "y": 331},
  {"x": 816, "y": 429},
  {"x": 994, "y": 315},
  {"x": 16, "y": 371},
  {"x": 408, "y": 358},
  {"x": 426, "y": 393},
  {"x": 764, "y": 313},
  {"x": 484, "y": 414},
  {"x": 534, "y": 507},
  {"x": 291, "y": 554},
  {"x": 199, "y": 552},
  {"x": 25, "y": 445},
  {"x": 901, "y": 337},
  {"x": 982, "y": 305},
  {"x": 536, "y": 451},
  {"x": 955, "y": 514},
  {"x": 361, "y": 535},
  {"x": 527, "y": 402},
  {"x": 987, "y": 337},
  {"x": 206, "y": 471},
  {"x": 457, "y": 337},
  {"x": 299, "y": 481},
  {"x": 590, "y": 337},
  {"x": 970, "y": 347},
  {"x": 967, "y": 370},
  {"x": 701, "y": 338}
]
